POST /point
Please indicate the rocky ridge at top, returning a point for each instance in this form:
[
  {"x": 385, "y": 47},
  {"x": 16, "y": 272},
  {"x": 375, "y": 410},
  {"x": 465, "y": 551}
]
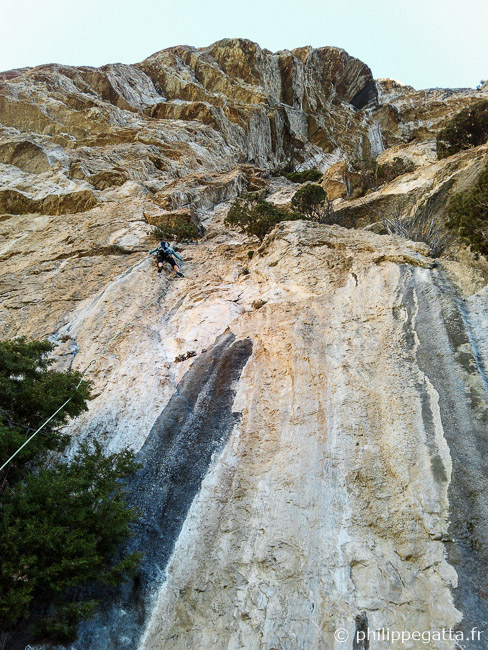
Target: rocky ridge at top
[{"x": 187, "y": 128}]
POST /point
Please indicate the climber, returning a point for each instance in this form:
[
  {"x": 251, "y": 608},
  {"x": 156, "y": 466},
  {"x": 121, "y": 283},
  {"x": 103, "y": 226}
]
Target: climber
[{"x": 165, "y": 254}]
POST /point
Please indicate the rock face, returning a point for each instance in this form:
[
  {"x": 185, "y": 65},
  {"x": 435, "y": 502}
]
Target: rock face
[{"x": 315, "y": 459}]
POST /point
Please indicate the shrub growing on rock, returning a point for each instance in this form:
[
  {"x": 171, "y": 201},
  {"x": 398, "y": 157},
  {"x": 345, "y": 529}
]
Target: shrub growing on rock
[
  {"x": 178, "y": 231},
  {"x": 310, "y": 200},
  {"x": 60, "y": 527},
  {"x": 467, "y": 129},
  {"x": 307, "y": 176},
  {"x": 252, "y": 214},
  {"x": 468, "y": 214}
]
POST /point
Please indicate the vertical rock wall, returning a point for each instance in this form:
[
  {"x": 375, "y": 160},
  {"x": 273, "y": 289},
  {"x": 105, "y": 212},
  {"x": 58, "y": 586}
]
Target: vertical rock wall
[
  {"x": 319, "y": 467},
  {"x": 194, "y": 425},
  {"x": 453, "y": 357},
  {"x": 317, "y": 461},
  {"x": 342, "y": 499}
]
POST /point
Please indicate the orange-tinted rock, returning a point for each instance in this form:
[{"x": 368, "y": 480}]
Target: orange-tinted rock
[
  {"x": 106, "y": 179},
  {"x": 13, "y": 202},
  {"x": 335, "y": 180},
  {"x": 25, "y": 155}
]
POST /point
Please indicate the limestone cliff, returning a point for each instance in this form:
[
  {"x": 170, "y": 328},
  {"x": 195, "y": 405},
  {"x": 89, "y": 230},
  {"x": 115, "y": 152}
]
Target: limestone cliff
[{"x": 319, "y": 462}]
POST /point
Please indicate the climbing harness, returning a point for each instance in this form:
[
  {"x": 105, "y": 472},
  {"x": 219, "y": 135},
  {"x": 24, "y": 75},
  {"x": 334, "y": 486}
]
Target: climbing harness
[{"x": 114, "y": 337}]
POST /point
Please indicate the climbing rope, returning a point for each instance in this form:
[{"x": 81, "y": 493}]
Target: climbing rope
[{"x": 114, "y": 337}]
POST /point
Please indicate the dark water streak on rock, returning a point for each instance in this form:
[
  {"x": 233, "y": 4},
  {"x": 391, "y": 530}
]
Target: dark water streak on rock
[
  {"x": 449, "y": 355},
  {"x": 175, "y": 458}
]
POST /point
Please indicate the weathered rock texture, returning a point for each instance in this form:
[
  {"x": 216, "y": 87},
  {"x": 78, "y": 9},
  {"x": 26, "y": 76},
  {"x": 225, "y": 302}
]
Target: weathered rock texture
[{"x": 319, "y": 460}]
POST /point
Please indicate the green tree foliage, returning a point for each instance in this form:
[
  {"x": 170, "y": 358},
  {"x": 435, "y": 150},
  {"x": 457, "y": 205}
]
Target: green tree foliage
[
  {"x": 30, "y": 392},
  {"x": 179, "y": 231},
  {"x": 468, "y": 214},
  {"x": 307, "y": 176},
  {"x": 60, "y": 527},
  {"x": 255, "y": 216},
  {"x": 311, "y": 200},
  {"x": 467, "y": 129}
]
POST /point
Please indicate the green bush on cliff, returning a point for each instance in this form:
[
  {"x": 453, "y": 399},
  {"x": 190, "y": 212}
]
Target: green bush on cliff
[
  {"x": 179, "y": 231},
  {"x": 468, "y": 214},
  {"x": 252, "y": 214},
  {"x": 467, "y": 129},
  {"x": 312, "y": 200},
  {"x": 59, "y": 526},
  {"x": 307, "y": 176}
]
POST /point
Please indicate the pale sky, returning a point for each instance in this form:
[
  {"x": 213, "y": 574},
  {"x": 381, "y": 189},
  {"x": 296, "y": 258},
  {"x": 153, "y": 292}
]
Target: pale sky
[{"x": 423, "y": 43}]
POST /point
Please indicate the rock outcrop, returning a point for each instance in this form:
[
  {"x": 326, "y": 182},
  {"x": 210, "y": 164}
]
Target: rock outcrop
[{"x": 315, "y": 459}]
